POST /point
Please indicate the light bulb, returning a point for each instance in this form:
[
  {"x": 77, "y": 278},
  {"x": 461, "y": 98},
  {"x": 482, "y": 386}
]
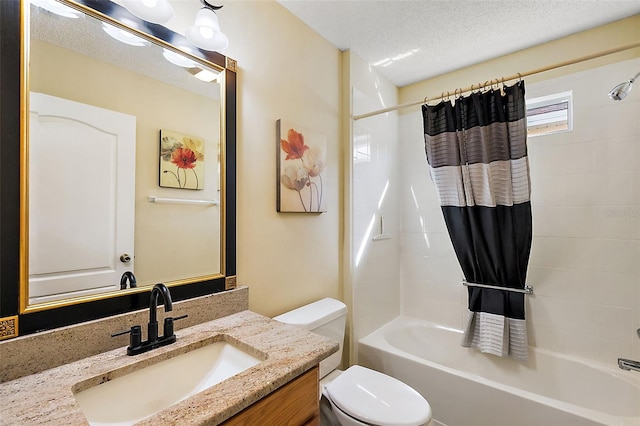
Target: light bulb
[
  {"x": 156, "y": 11},
  {"x": 205, "y": 32},
  {"x": 123, "y": 36},
  {"x": 177, "y": 59}
]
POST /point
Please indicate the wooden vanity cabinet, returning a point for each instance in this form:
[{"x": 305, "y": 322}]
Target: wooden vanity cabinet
[{"x": 294, "y": 404}]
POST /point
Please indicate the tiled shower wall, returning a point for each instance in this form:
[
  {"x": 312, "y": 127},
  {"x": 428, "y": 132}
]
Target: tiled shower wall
[
  {"x": 585, "y": 259},
  {"x": 375, "y": 157}
]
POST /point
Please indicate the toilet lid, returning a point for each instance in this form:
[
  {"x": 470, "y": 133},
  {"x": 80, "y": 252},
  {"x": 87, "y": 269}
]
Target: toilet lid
[{"x": 378, "y": 399}]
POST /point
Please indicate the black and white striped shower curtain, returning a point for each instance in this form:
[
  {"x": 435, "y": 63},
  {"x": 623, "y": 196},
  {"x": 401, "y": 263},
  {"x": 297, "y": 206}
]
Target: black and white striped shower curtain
[{"x": 477, "y": 153}]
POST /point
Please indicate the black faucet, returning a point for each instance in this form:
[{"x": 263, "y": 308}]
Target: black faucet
[
  {"x": 136, "y": 346},
  {"x": 158, "y": 289},
  {"x": 128, "y": 275}
]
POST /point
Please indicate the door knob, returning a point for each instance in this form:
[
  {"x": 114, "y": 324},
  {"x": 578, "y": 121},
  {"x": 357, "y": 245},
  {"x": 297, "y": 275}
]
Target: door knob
[{"x": 125, "y": 258}]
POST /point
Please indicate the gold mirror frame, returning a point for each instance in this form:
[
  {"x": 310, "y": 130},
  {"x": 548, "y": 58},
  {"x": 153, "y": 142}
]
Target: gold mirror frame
[{"x": 68, "y": 311}]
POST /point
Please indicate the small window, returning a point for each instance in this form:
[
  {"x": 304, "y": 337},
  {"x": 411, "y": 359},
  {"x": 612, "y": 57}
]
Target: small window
[{"x": 550, "y": 114}]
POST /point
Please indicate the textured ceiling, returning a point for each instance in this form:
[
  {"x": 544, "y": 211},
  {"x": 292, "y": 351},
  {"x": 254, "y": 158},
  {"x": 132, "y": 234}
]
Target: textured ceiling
[{"x": 409, "y": 41}]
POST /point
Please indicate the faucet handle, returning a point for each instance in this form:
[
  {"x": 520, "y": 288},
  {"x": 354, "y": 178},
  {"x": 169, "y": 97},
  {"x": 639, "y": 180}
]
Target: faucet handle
[
  {"x": 168, "y": 325},
  {"x": 136, "y": 335}
]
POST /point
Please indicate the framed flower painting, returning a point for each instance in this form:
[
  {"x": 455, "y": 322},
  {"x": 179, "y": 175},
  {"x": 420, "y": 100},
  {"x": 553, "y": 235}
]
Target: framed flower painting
[
  {"x": 301, "y": 169},
  {"x": 181, "y": 161}
]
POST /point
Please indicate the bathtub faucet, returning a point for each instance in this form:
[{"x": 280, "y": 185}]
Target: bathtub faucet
[{"x": 628, "y": 365}]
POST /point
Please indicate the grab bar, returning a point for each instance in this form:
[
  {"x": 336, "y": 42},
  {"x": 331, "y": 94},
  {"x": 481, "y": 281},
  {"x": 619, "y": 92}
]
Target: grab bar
[
  {"x": 526, "y": 290},
  {"x": 154, "y": 199}
]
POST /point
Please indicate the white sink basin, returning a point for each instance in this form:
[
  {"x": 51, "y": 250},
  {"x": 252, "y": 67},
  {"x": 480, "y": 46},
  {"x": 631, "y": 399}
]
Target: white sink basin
[{"x": 132, "y": 397}]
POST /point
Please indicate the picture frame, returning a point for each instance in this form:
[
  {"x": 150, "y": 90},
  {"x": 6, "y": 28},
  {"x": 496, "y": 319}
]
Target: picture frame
[
  {"x": 301, "y": 165},
  {"x": 181, "y": 161}
]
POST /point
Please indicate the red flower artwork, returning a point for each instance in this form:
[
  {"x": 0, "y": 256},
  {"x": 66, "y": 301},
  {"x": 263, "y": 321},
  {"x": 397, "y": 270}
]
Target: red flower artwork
[
  {"x": 184, "y": 158},
  {"x": 294, "y": 146}
]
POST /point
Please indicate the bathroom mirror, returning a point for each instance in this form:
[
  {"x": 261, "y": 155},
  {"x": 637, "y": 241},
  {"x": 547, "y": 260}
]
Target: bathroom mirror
[{"x": 127, "y": 163}]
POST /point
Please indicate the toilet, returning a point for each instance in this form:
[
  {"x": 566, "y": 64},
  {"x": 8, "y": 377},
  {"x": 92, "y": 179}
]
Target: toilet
[{"x": 358, "y": 395}]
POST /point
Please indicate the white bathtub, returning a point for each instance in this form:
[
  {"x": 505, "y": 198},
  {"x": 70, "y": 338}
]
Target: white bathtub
[{"x": 467, "y": 388}]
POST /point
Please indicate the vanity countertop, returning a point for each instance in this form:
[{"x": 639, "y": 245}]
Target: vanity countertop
[{"x": 47, "y": 397}]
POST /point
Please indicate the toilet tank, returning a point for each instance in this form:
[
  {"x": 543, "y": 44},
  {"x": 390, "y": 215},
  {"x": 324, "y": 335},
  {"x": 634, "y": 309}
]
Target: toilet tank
[{"x": 327, "y": 317}]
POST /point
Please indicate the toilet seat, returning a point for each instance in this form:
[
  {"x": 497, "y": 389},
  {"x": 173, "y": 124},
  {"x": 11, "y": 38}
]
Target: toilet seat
[{"x": 377, "y": 399}]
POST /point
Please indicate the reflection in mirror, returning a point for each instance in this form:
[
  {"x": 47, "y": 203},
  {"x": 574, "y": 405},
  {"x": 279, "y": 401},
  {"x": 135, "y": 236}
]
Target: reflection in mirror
[{"x": 113, "y": 126}]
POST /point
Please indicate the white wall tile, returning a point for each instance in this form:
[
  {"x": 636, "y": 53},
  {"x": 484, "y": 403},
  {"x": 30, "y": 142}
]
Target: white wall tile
[
  {"x": 615, "y": 289},
  {"x": 610, "y": 350},
  {"x": 617, "y": 222},
  {"x": 547, "y": 190},
  {"x": 546, "y": 159},
  {"x": 578, "y": 158},
  {"x": 581, "y": 190},
  {"x": 581, "y": 345},
  {"x": 612, "y": 188},
  {"x": 618, "y": 256},
  {"x": 615, "y": 323},
  {"x": 617, "y": 155},
  {"x": 546, "y": 338},
  {"x": 547, "y": 221}
]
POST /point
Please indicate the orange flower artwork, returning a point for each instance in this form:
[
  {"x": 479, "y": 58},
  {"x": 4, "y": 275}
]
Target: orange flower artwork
[
  {"x": 181, "y": 161},
  {"x": 184, "y": 158},
  {"x": 301, "y": 169},
  {"x": 294, "y": 145}
]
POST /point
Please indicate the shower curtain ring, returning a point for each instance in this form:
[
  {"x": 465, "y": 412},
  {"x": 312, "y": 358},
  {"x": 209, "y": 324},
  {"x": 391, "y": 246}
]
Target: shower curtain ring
[
  {"x": 484, "y": 86},
  {"x": 425, "y": 100},
  {"x": 519, "y": 78}
]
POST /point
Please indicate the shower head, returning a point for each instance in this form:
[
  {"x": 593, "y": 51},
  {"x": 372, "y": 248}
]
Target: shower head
[{"x": 621, "y": 91}]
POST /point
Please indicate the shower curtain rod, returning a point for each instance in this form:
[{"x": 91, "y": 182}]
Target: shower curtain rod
[{"x": 502, "y": 80}]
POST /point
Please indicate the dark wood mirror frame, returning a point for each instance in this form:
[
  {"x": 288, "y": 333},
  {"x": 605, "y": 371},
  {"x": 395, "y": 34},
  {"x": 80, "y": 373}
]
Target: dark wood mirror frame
[{"x": 12, "y": 321}]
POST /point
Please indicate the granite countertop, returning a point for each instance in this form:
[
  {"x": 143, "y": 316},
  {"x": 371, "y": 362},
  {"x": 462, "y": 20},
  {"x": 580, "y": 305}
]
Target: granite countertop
[{"x": 47, "y": 397}]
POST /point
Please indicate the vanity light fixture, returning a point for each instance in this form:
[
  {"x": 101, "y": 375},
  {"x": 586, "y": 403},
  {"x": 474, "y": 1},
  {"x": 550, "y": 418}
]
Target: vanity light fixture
[
  {"x": 123, "y": 36},
  {"x": 205, "y": 32},
  {"x": 156, "y": 11},
  {"x": 57, "y": 8}
]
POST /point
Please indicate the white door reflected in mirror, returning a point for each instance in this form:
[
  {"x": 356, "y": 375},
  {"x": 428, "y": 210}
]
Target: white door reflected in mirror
[{"x": 81, "y": 198}]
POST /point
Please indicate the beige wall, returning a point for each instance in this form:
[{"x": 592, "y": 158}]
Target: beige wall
[{"x": 285, "y": 71}]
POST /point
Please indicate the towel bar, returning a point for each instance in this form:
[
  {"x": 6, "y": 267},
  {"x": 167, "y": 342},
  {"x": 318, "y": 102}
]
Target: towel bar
[
  {"x": 526, "y": 290},
  {"x": 159, "y": 200}
]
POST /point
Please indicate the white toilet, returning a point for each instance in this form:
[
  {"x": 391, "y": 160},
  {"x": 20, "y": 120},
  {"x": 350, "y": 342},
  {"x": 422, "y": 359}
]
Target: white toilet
[{"x": 358, "y": 395}]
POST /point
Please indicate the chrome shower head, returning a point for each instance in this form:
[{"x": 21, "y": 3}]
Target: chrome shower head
[{"x": 621, "y": 91}]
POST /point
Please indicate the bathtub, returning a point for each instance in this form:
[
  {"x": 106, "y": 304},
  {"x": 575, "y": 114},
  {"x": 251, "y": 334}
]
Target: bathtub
[{"x": 468, "y": 388}]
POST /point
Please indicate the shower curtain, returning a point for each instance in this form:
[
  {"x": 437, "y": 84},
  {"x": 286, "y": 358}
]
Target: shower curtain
[{"x": 477, "y": 155}]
